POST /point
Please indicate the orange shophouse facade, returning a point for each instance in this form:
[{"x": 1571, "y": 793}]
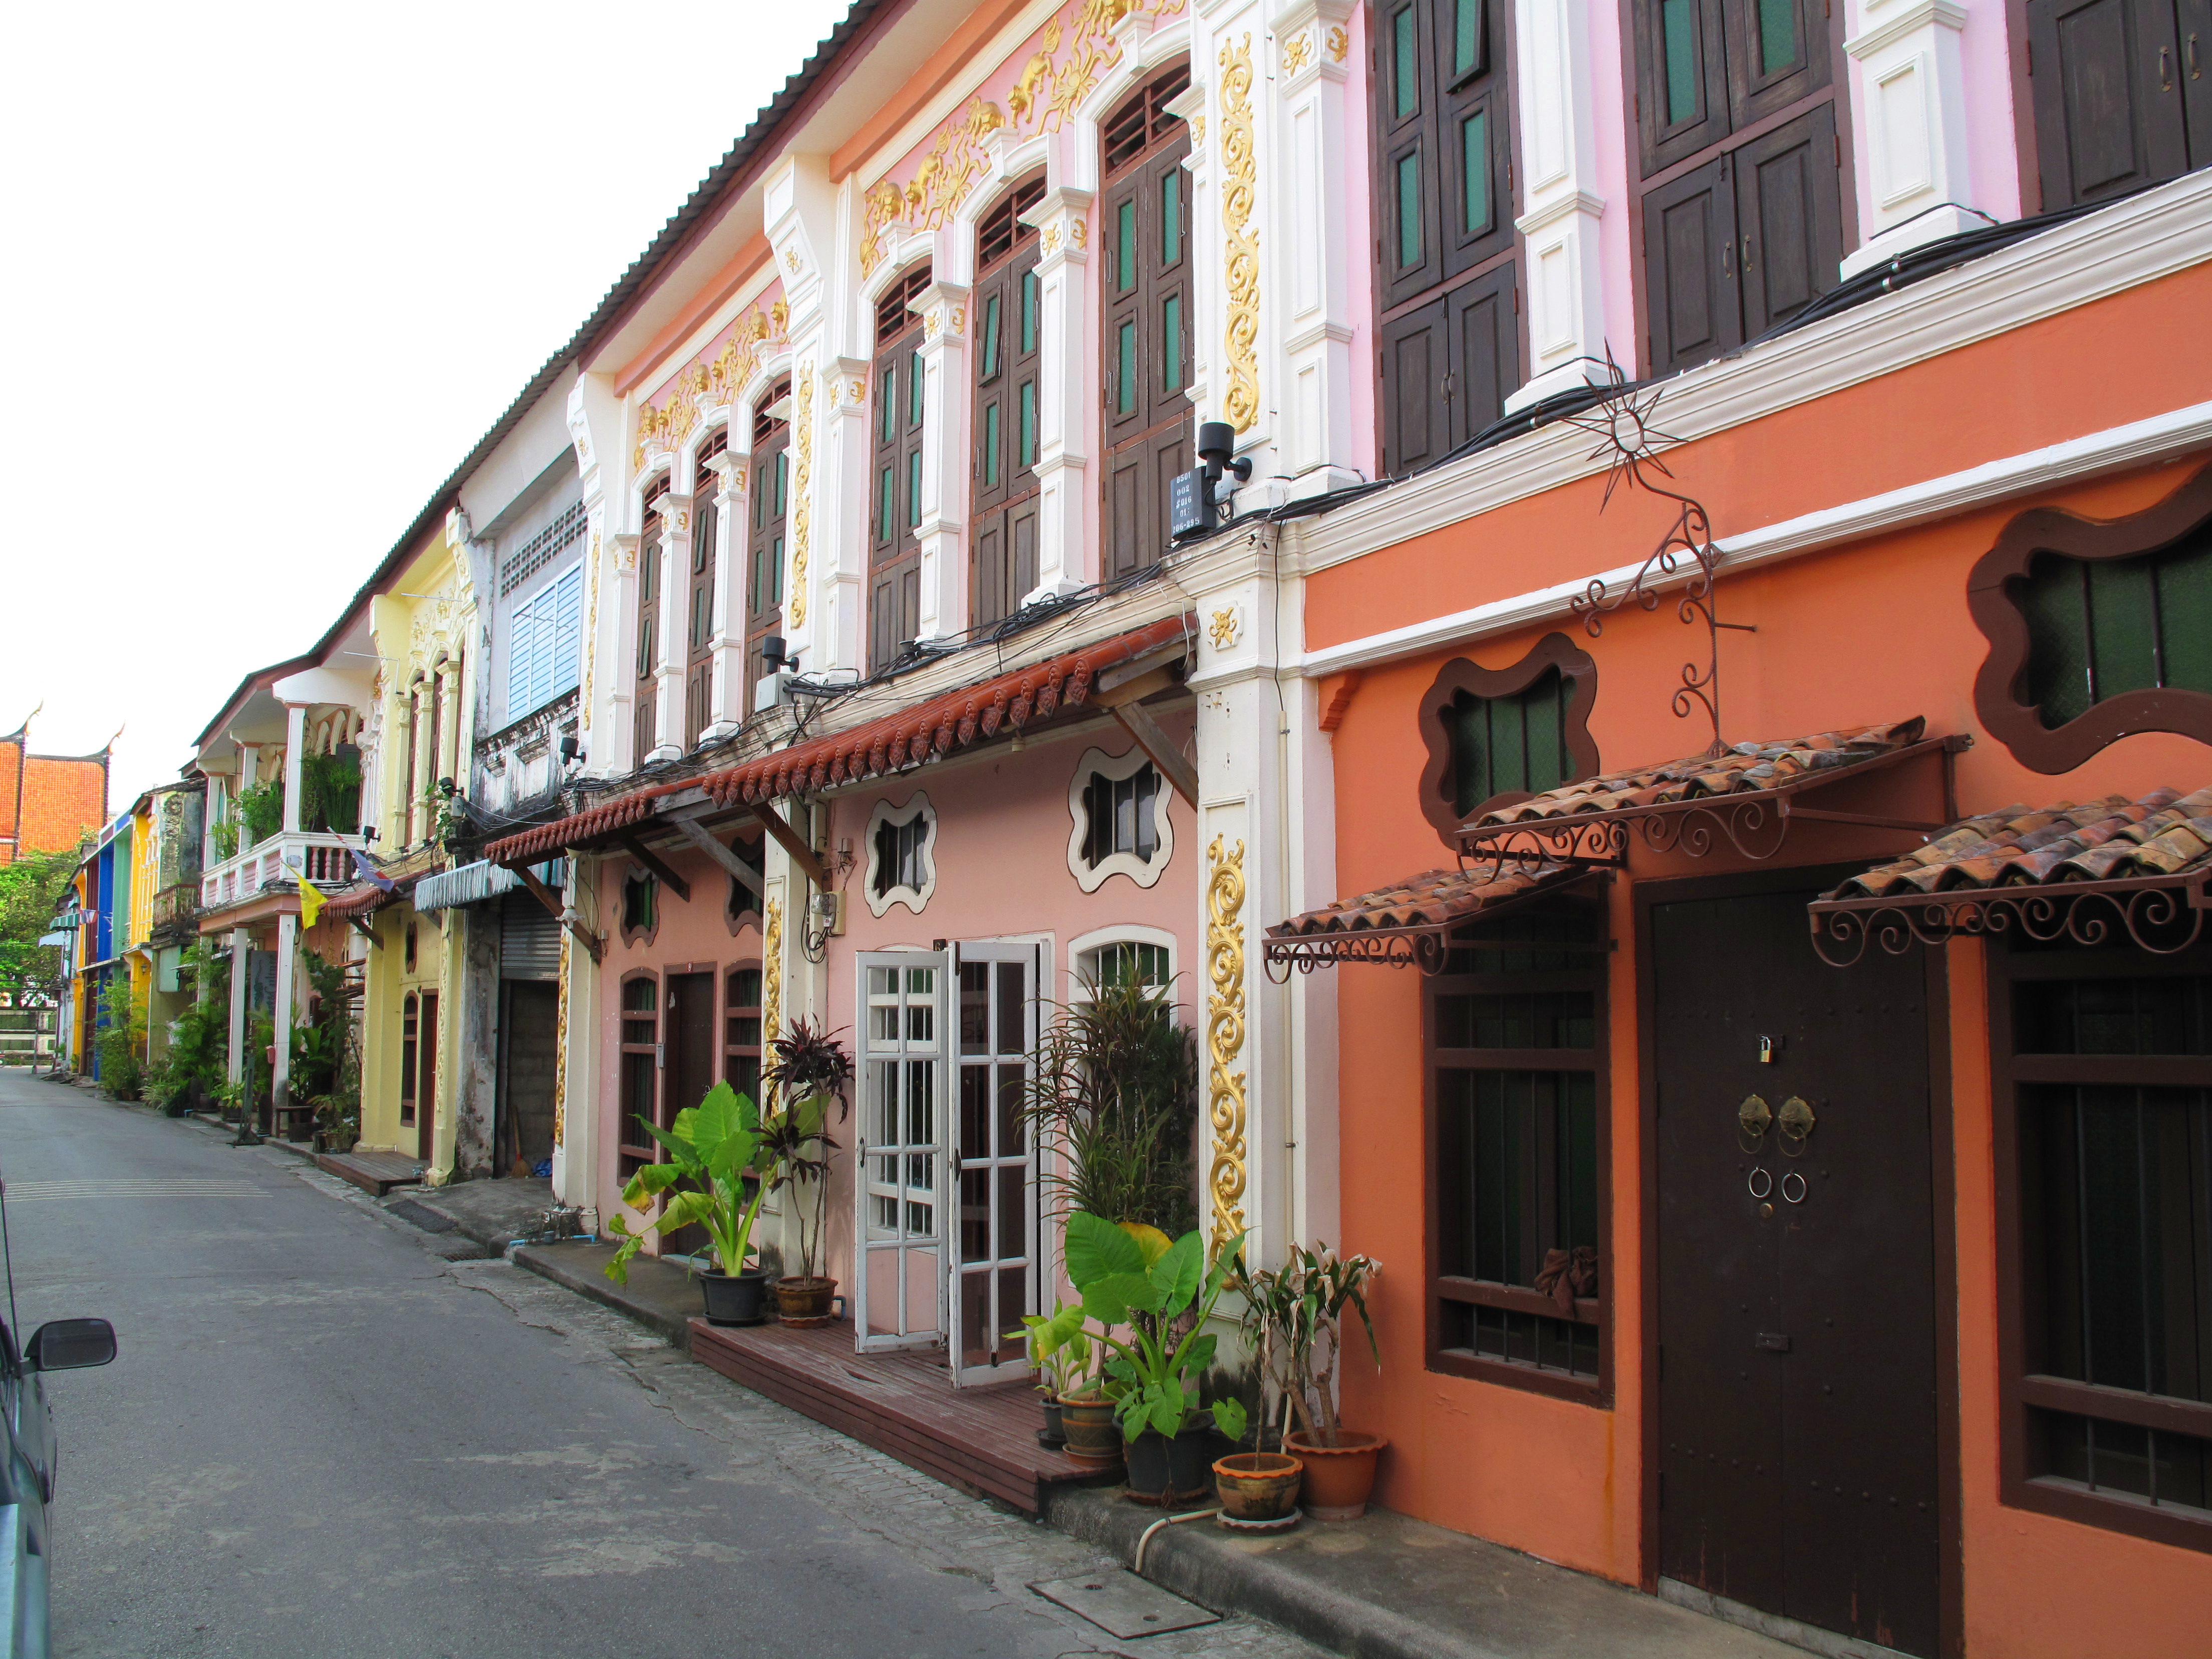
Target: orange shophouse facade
[{"x": 1890, "y": 1312}]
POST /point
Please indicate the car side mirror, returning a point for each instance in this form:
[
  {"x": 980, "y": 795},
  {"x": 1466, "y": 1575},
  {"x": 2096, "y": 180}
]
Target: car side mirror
[{"x": 70, "y": 1345}]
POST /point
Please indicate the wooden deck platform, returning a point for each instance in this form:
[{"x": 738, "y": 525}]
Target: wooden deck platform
[
  {"x": 372, "y": 1172},
  {"x": 981, "y": 1440}
]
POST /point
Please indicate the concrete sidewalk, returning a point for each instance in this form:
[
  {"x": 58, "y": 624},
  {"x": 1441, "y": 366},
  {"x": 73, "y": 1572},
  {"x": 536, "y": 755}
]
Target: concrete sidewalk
[{"x": 660, "y": 1296}]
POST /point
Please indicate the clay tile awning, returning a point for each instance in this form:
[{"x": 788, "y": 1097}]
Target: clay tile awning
[
  {"x": 1011, "y": 701},
  {"x": 2073, "y": 871},
  {"x": 1746, "y": 795},
  {"x": 1411, "y": 924}
]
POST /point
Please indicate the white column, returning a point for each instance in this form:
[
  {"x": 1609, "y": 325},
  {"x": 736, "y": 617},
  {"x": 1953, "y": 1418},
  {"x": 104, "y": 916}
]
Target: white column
[
  {"x": 1066, "y": 374},
  {"x": 618, "y": 661},
  {"x": 241, "y": 944},
  {"x": 1315, "y": 197},
  {"x": 942, "y": 532},
  {"x": 675, "y": 556},
  {"x": 295, "y": 744},
  {"x": 1560, "y": 205},
  {"x": 1909, "y": 126},
  {"x": 725, "y": 707},
  {"x": 288, "y": 962},
  {"x": 838, "y": 473}
]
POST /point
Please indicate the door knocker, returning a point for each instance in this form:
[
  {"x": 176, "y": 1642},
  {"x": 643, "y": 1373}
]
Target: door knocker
[
  {"x": 1759, "y": 1173},
  {"x": 1796, "y": 1122},
  {"x": 1797, "y": 1197},
  {"x": 1751, "y": 1121}
]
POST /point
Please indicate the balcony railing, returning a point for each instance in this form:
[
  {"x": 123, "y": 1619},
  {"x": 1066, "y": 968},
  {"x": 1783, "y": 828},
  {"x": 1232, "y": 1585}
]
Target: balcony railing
[{"x": 323, "y": 857}]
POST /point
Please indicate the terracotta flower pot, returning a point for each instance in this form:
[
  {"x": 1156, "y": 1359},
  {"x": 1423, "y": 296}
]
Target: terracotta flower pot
[
  {"x": 804, "y": 1303},
  {"x": 1258, "y": 1486},
  {"x": 1094, "y": 1438},
  {"x": 1339, "y": 1479}
]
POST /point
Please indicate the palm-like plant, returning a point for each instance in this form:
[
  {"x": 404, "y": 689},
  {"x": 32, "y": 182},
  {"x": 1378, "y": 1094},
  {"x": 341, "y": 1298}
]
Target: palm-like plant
[
  {"x": 809, "y": 1069},
  {"x": 1293, "y": 1319},
  {"x": 716, "y": 1147}
]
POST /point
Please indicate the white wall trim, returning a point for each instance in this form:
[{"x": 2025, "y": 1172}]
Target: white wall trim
[
  {"x": 2163, "y": 230},
  {"x": 1146, "y": 872},
  {"x": 1126, "y": 934},
  {"x": 917, "y": 805},
  {"x": 2116, "y": 449}
]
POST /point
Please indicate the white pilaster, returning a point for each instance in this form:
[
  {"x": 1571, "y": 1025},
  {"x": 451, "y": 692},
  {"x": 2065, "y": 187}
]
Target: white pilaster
[
  {"x": 288, "y": 969},
  {"x": 242, "y": 944},
  {"x": 1315, "y": 197},
  {"x": 725, "y": 693},
  {"x": 1065, "y": 375},
  {"x": 1909, "y": 130},
  {"x": 295, "y": 740},
  {"x": 843, "y": 445},
  {"x": 1560, "y": 204},
  {"x": 617, "y": 658},
  {"x": 942, "y": 532},
  {"x": 674, "y": 644}
]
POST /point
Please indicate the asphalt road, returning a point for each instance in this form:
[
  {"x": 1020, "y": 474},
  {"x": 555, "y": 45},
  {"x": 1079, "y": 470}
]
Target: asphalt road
[{"x": 321, "y": 1439}]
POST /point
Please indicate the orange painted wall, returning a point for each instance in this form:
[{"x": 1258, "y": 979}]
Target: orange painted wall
[
  {"x": 64, "y": 798},
  {"x": 1878, "y": 630}
]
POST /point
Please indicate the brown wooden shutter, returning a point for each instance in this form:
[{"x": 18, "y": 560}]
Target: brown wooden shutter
[
  {"x": 770, "y": 496},
  {"x": 1006, "y": 316},
  {"x": 1790, "y": 233},
  {"x": 895, "y": 480},
  {"x": 1689, "y": 268},
  {"x": 2112, "y": 94}
]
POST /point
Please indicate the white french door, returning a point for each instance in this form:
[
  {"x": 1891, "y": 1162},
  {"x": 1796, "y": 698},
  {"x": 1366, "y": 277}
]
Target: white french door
[
  {"x": 901, "y": 1194},
  {"x": 994, "y": 1276}
]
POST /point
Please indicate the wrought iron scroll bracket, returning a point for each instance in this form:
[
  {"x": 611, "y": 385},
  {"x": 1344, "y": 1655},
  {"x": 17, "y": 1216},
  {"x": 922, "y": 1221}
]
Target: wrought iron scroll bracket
[
  {"x": 1633, "y": 443},
  {"x": 2161, "y": 917}
]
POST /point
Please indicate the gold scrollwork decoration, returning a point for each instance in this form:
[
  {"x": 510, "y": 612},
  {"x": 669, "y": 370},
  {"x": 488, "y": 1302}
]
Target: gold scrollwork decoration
[
  {"x": 771, "y": 970},
  {"x": 705, "y": 383},
  {"x": 1299, "y": 53},
  {"x": 1225, "y": 1035},
  {"x": 591, "y": 632},
  {"x": 802, "y": 506},
  {"x": 1222, "y": 628},
  {"x": 561, "y": 1051},
  {"x": 1240, "y": 404},
  {"x": 1339, "y": 43}
]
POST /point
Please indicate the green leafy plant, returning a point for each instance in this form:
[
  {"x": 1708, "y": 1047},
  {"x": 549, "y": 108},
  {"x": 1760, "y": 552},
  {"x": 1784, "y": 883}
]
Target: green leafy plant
[
  {"x": 223, "y": 833},
  {"x": 1294, "y": 1320},
  {"x": 716, "y": 1146},
  {"x": 260, "y": 812},
  {"x": 199, "y": 1037},
  {"x": 122, "y": 1051},
  {"x": 1061, "y": 1348},
  {"x": 808, "y": 1069},
  {"x": 1113, "y": 1091},
  {"x": 1163, "y": 1293},
  {"x": 30, "y": 890},
  {"x": 330, "y": 794}
]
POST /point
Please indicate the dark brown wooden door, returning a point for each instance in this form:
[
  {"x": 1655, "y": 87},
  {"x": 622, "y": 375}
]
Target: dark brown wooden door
[
  {"x": 645, "y": 733},
  {"x": 692, "y": 1063},
  {"x": 1789, "y": 236},
  {"x": 699, "y": 590},
  {"x": 1690, "y": 267},
  {"x": 1007, "y": 306},
  {"x": 425, "y": 1088},
  {"x": 895, "y": 551},
  {"x": 1797, "y": 1333},
  {"x": 2120, "y": 94},
  {"x": 770, "y": 496}
]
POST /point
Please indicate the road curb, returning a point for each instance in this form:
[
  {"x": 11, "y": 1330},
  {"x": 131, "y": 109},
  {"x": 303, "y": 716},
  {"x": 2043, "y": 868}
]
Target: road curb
[{"x": 580, "y": 1269}]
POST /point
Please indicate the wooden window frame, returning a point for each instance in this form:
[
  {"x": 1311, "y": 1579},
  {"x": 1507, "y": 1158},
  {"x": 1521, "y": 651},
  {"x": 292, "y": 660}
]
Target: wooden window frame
[
  {"x": 1001, "y": 509},
  {"x": 629, "y": 1152},
  {"x": 1144, "y": 447},
  {"x": 1992, "y": 599},
  {"x": 647, "y": 643},
  {"x": 894, "y": 539},
  {"x": 1514, "y": 1298},
  {"x": 637, "y": 872},
  {"x": 766, "y": 534},
  {"x": 2018, "y": 1391},
  {"x": 410, "y": 1059},
  {"x": 1655, "y": 163},
  {"x": 1438, "y": 796},
  {"x": 700, "y": 626}
]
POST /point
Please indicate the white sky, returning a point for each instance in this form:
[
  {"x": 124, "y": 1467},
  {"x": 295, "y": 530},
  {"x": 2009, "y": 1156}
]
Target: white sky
[{"x": 271, "y": 270}]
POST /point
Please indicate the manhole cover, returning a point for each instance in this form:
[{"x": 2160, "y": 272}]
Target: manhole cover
[
  {"x": 1123, "y": 1604},
  {"x": 430, "y": 1220}
]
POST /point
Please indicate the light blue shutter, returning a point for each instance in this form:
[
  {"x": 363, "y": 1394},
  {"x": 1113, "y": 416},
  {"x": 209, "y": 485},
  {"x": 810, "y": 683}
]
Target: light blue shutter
[
  {"x": 565, "y": 637},
  {"x": 521, "y": 644}
]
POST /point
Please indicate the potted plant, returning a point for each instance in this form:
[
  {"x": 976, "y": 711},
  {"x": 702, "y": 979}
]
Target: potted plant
[
  {"x": 810, "y": 1069},
  {"x": 716, "y": 1146},
  {"x": 1293, "y": 1319},
  {"x": 1163, "y": 1293},
  {"x": 1061, "y": 1350}
]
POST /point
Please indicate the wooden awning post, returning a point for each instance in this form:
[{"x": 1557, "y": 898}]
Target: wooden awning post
[{"x": 551, "y": 900}]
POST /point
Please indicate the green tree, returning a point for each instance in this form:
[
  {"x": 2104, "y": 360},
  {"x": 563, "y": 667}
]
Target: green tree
[{"x": 30, "y": 889}]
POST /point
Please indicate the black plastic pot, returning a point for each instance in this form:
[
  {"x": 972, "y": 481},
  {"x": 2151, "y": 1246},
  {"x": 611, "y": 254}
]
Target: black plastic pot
[
  {"x": 1164, "y": 1471},
  {"x": 735, "y": 1298}
]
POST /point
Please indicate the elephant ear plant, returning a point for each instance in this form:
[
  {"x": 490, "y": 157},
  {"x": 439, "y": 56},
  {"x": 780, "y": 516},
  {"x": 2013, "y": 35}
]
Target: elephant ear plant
[
  {"x": 715, "y": 1146},
  {"x": 1130, "y": 1275}
]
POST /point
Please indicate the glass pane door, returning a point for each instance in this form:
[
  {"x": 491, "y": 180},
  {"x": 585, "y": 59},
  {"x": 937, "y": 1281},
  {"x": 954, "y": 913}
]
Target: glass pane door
[
  {"x": 994, "y": 1279},
  {"x": 900, "y": 1291}
]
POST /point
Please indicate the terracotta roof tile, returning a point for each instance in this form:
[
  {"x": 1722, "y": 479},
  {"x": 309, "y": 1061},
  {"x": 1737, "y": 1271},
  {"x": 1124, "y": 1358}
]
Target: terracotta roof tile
[
  {"x": 1747, "y": 768},
  {"x": 2164, "y": 833},
  {"x": 944, "y": 724},
  {"x": 1433, "y": 899}
]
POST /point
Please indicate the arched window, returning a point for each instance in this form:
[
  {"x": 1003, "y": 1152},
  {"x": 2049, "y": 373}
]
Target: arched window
[
  {"x": 646, "y": 733},
  {"x": 706, "y": 528},
  {"x": 1003, "y": 558},
  {"x": 1145, "y": 332},
  {"x": 771, "y": 503},
  {"x": 893, "y": 549}
]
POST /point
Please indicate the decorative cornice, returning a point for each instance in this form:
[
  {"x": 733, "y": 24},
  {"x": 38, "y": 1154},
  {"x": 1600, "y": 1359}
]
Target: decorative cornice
[
  {"x": 1889, "y": 31},
  {"x": 1574, "y": 202},
  {"x": 707, "y": 383}
]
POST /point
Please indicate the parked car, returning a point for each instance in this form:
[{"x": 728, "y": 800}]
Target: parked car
[{"x": 27, "y": 1487}]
